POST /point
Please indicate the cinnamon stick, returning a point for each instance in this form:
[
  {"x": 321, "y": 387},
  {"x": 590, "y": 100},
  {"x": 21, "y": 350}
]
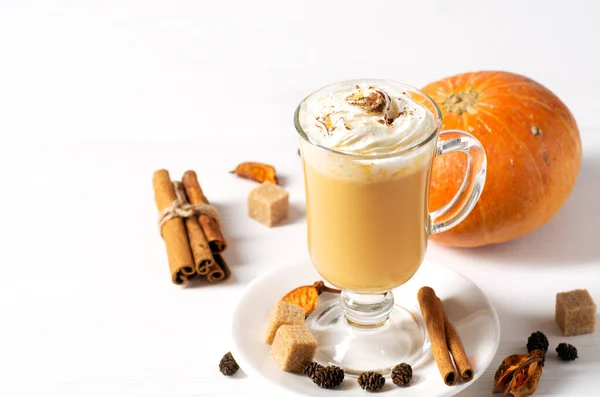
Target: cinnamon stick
[
  {"x": 463, "y": 365},
  {"x": 434, "y": 320},
  {"x": 203, "y": 259},
  {"x": 212, "y": 230},
  {"x": 181, "y": 263},
  {"x": 222, "y": 271}
]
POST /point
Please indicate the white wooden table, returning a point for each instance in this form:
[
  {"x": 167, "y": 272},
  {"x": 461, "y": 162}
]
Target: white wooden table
[{"x": 97, "y": 95}]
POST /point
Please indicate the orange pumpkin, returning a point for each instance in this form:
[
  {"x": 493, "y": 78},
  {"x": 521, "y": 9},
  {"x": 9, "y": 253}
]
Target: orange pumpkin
[{"x": 533, "y": 148}]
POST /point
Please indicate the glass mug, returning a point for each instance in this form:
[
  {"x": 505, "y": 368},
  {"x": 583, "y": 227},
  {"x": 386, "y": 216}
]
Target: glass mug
[{"x": 368, "y": 226}]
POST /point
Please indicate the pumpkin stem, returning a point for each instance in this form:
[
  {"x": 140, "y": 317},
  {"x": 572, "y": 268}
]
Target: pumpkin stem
[{"x": 461, "y": 102}]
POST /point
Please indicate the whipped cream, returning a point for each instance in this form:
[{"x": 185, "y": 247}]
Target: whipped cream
[{"x": 366, "y": 118}]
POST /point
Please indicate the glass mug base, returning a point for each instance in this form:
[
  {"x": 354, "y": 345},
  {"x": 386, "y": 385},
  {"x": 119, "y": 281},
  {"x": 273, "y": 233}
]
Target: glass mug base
[{"x": 356, "y": 348}]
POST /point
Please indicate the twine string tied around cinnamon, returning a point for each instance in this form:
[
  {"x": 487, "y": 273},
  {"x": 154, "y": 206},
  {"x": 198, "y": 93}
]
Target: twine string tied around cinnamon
[{"x": 181, "y": 208}]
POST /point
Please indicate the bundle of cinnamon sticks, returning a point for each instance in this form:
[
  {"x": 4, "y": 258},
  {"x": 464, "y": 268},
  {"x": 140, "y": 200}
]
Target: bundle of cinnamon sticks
[
  {"x": 194, "y": 241},
  {"x": 445, "y": 341}
]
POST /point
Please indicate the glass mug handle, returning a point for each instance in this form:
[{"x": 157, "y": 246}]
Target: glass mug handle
[{"x": 465, "y": 199}]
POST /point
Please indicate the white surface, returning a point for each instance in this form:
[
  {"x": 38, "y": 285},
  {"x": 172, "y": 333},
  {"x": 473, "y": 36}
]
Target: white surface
[
  {"x": 467, "y": 307},
  {"x": 95, "y": 96}
]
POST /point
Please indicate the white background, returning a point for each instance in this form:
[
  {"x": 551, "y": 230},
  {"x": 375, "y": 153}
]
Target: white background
[{"x": 97, "y": 95}]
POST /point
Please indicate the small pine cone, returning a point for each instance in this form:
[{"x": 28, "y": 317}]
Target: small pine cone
[
  {"x": 566, "y": 351},
  {"x": 328, "y": 377},
  {"x": 402, "y": 374},
  {"x": 228, "y": 366},
  {"x": 537, "y": 341},
  {"x": 311, "y": 368},
  {"x": 371, "y": 381}
]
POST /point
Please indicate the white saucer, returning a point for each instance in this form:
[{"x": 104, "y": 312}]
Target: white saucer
[{"x": 467, "y": 306}]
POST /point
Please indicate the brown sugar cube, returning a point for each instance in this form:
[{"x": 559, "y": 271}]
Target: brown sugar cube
[
  {"x": 283, "y": 313},
  {"x": 294, "y": 347},
  {"x": 575, "y": 312},
  {"x": 269, "y": 204}
]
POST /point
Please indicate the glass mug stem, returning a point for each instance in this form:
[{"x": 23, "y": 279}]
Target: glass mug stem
[{"x": 366, "y": 310}]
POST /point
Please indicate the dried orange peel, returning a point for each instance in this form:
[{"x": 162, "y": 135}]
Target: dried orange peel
[
  {"x": 307, "y": 296},
  {"x": 258, "y": 172}
]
